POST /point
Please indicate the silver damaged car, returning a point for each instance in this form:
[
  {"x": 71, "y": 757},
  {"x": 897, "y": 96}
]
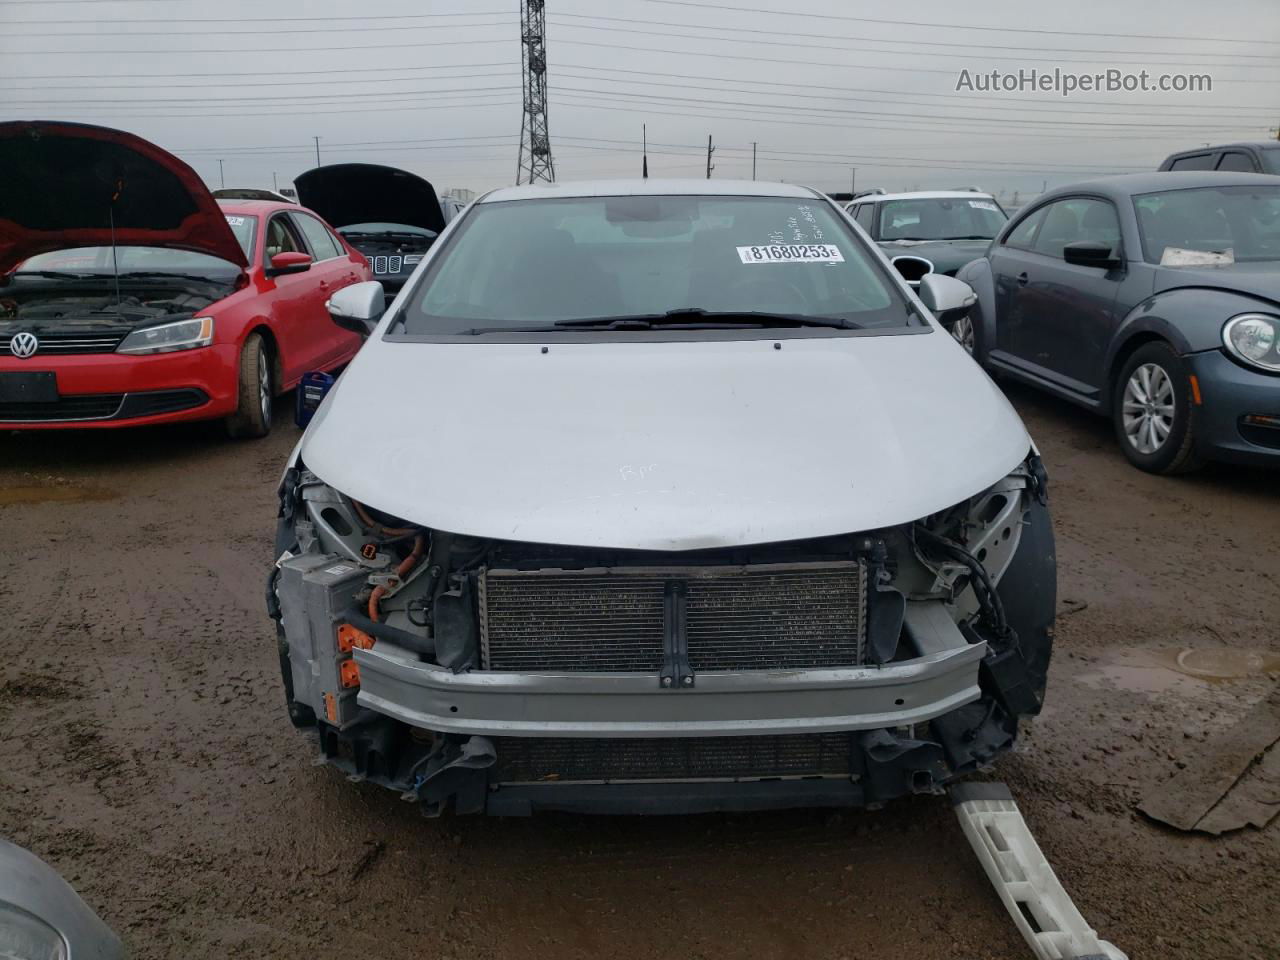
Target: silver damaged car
[{"x": 661, "y": 497}]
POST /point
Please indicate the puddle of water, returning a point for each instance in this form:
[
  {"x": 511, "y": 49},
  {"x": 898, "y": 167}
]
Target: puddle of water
[
  {"x": 1179, "y": 669},
  {"x": 54, "y": 494},
  {"x": 1223, "y": 663}
]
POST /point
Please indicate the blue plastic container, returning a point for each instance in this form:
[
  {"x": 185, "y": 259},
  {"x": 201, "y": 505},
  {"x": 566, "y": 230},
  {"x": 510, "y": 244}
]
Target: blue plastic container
[{"x": 311, "y": 391}]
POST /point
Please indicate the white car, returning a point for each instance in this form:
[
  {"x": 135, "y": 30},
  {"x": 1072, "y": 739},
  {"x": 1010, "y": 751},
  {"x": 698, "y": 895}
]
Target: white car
[{"x": 661, "y": 496}]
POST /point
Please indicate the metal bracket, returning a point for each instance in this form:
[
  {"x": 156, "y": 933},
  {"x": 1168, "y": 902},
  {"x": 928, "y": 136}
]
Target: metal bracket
[
  {"x": 676, "y": 671},
  {"x": 1025, "y": 882}
]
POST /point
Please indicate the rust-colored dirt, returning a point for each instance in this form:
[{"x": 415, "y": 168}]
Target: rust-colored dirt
[{"x": 146, "y": 753}]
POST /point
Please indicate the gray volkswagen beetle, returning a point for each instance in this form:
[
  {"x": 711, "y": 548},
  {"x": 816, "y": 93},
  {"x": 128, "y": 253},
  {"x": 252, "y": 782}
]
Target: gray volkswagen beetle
[{"x": 1153, "y": 299}]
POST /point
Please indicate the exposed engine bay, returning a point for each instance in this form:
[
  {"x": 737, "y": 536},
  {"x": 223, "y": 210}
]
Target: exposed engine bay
[
  {"x": 508, "y": 677},
  {"x": 48, "y": 305},
  {"x": 387, "y": 242}
]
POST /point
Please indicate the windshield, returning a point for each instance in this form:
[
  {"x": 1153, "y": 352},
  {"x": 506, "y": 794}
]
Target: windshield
[
  {"x": 1210, "y": 225},
  {"x": 535, "y": 262},
  {"x": 941, "y": 218},
  {"x": 98, "y": 260}
]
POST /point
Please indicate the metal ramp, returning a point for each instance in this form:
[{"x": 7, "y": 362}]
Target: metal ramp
[{"x": 1025, "y": 882}]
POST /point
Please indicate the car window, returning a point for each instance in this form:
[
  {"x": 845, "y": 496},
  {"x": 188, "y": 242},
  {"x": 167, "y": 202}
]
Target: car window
[
  {"x": 281, "y": 238},
  {"x": 1231, "y": 223},
  {"x": 1198, "y": 161},
  {"x": 940, "y": 218},
  {"x": 1271, "y": 160},
  {"x": 534, "y": 262},
  {"x": 322, "y": 244},
  {"x": 1237, "y": 161},
  {"x": 866, "y": 216},
  {"x": 1079, "y": 219},
  {"x": 1023, "y": 235}
]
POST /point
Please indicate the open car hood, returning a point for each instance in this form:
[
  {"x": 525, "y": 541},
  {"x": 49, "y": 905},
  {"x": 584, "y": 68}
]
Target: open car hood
[
  {"x": 65, "y": 185},
  {"x": 665, "y": 446},
  {"x": 347, "y": 193}
]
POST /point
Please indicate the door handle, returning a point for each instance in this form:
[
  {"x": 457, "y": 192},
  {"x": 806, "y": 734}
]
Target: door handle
[{"x": 1022, "y": 279}]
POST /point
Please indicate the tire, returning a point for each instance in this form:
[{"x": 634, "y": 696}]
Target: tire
[
  {"x": 964, "y": 331},
  {"x": 1153, "y": 413},
  {"x": 256, "y": 391}
]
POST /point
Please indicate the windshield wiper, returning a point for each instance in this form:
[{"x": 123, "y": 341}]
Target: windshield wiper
[
  {"x": 61, "y": 275},
  {"x": 693, "y": 318},
  {"x": 165, "y": 275}
]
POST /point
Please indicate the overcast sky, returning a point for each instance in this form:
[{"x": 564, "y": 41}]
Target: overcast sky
[{"x": 433, "y": 86}]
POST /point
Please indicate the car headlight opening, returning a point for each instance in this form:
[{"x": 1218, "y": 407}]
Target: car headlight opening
[
  {"x": 169, "y": 337},
  {"x": 1254, "y": 338}
]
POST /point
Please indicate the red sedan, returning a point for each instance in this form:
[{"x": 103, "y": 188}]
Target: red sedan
[{"x": 129, "y": 296}]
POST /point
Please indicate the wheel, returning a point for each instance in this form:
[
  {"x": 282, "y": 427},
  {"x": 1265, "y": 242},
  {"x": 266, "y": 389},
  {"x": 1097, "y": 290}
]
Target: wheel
[
  {"x": 1153, "y": 413},
  {"x": 962, "y": 330},
  {"x": 256, "y": 391}
]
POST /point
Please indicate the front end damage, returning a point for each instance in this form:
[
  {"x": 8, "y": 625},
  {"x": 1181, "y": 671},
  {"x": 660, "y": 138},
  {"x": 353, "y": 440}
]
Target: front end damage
[{"x": 505, "y": 677}]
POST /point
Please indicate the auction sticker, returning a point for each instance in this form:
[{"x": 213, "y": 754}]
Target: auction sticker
[
  {"x": 236, "y": 221},
  {"x": 982, "y": 205},
  {"x": 791, "y": 253}
]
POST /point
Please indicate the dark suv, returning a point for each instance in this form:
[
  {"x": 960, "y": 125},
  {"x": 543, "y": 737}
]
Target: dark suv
[{"x": 1236, "y": 157}]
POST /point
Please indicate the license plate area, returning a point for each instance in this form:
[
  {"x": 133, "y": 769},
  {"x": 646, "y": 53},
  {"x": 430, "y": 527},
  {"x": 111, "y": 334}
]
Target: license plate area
[{"x": 34, "y": 387}]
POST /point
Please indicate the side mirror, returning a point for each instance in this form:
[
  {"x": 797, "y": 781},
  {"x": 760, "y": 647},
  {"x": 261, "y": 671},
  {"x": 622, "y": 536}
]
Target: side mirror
[
  {"x": 947, "y": 298},
  {"x": 358, "y": 307},
  {"x": 1085, "y": 253},
  {"x": 289, "y": 262}
]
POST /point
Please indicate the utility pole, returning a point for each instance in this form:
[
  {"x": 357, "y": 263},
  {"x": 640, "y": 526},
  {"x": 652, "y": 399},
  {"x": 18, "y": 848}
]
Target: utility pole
[
  {"x": 275, "y": 184},
  {"x": 317, "y": 140},
  {"x": 534, "y": 160},
  {"x": 753, "y": 159},
  {"x": 644, "y": 164},
  {"x": 710, "y": 151},
  {"x": 853, "y": 180},
  {"x": 222, "y": 181}
]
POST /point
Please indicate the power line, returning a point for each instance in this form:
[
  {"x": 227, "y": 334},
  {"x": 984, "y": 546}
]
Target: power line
[
  {"x": 254, "y": 31},
  {"x": 791, "y": 62},
  {"x": 325, "y": 97},
  {"x": 913, "y": 43},
  {"x": 503, "y": 102},
  {"x": 854, "y": 48},
  {"x": 310, "y": 19},
  {"x": 346, "y": 48},
  {"x": 243, "y": 73},
  {"x": 845, "y": 98},
  {"x": 951, "y": 26},
  {"x": 896, "y": 114}
]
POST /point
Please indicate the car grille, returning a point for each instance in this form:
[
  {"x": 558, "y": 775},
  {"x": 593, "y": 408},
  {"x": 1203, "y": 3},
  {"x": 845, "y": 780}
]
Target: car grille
[
  {"x": 62, "y": 344},
  {"x": 386, "y": 264},
  {"x": 543, "y": 760},
  {"x": 759, "y": 617},
  {"x": 104, "y": 406},
  {"x": 90, "y": 406}
]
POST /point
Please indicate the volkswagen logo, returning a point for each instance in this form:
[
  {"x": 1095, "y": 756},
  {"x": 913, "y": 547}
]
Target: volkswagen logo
[{"x": 24, "y": 345}]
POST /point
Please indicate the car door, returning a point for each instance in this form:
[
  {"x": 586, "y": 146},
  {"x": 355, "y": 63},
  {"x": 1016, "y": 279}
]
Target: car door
[
  {"x": 1065, "y": 311},
  {"x": 292, "y": 299},
  {"x": 330, "y": 272}
]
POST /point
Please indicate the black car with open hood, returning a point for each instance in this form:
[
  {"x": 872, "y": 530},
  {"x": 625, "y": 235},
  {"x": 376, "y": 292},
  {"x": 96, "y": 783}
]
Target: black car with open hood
[{"x": 390, "y": 215}]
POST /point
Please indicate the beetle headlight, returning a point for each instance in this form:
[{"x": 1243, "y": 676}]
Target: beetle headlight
[
  {"x": 168, "y": 337},
  {"x": 1253, "y": 338}
]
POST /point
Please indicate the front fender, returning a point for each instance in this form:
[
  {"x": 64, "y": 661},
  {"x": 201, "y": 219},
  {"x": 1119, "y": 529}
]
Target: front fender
[
  {"x": 1189, "y": 319},
  {"x": 977, "y": 274}
]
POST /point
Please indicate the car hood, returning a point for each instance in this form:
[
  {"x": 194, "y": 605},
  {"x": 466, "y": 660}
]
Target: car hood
[
  {"x": 75, "y": 185},
  {"x": 947, "y": 256},
  {"x": 1258, "y": 279},
  {"x": 665, "y": 446},
  {"x": 368, "y": 193}
]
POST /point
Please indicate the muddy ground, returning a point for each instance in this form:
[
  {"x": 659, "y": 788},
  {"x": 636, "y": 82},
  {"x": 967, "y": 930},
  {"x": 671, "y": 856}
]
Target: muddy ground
[{"x": 147, "y": 756}]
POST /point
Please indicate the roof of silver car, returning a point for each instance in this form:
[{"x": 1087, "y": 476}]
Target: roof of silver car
[{"x": 652, "y": 187}]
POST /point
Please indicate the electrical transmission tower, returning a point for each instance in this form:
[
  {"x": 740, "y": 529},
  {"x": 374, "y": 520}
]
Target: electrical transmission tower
[{"x": 535, "y": 161}]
